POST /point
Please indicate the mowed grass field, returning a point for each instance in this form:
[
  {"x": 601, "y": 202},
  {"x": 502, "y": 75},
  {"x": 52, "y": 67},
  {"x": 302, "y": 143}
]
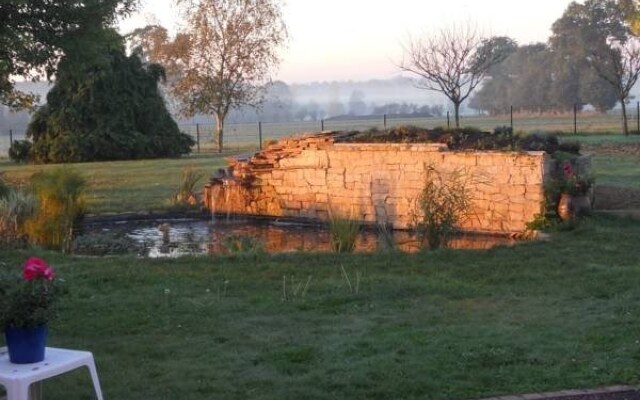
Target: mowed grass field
[
  {"x": 444, "y": 325},
  {"x": 125, "y": 186}
]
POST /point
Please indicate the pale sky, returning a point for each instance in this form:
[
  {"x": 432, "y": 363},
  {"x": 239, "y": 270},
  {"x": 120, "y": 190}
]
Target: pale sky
[{"x": 361, "y": 39}]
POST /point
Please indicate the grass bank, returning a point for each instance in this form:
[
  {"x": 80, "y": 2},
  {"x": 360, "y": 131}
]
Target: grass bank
[{"x": 440, "y": 325}]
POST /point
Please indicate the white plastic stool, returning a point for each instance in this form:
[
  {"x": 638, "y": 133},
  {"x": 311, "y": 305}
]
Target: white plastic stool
[{"x": 16, "y": 378}]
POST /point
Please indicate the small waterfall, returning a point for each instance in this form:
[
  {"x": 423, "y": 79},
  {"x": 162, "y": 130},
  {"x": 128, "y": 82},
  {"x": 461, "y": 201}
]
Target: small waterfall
[
  {"x": 226, "y": 187},
  {"x": 222, "y": 188}
]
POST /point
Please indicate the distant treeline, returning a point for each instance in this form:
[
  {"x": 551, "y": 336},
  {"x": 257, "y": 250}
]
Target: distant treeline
[
  {"x": 280, "y": 105},
  {"x": 564, "y": 72}
]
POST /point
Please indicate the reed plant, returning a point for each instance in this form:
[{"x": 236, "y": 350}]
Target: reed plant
[
  {"x": 344, "y": 231},
  {"x": 186, "y": 193},
  {"x": 16, "y": 207}
]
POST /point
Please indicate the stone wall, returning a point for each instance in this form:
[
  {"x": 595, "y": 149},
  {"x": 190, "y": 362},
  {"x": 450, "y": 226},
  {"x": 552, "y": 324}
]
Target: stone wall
[{"x": 313, "y": 176}]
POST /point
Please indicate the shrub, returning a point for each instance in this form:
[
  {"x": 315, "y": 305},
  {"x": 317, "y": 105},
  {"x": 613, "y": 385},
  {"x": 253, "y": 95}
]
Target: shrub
[
  {"x": 19, "y": 151},
  {"x": 60, "y": 206},
  {"x": 109, "y": 111},
  {"x": 570, "y": 146},
  {"x": 442, "y": 204},
  {"x": 539, "y": 142}
]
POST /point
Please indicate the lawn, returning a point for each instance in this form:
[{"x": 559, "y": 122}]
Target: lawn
[
  {"x": 540, "y": 316},
  {"x": 615, "y": 158},
  {"x": 437, "y": 325},
  {"x": 125, "y": 186}
]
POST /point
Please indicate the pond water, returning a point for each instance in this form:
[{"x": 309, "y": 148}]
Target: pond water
[{"x": 174, "y": 238}]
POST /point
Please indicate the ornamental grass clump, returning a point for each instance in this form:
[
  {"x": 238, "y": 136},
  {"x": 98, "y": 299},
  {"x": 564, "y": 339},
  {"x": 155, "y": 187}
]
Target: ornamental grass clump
[
  {"x": 343, "y": 231},
  {"x": 15, "y": 208},
  {"x": 60, "y": 198},
  {"x": 28, "y": 301},
  {"x": 186, "y": 195}
]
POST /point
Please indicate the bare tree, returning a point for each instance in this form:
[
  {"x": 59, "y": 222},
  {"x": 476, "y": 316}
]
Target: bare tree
[
  {"x": 619, "y": 65},
  {"x": 224, "y": 58},
  {"x": 454, "y": 61}
]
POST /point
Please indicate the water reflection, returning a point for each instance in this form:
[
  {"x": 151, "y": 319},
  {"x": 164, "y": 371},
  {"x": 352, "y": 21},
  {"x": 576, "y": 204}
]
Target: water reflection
[{"x": 192, "y": 237}]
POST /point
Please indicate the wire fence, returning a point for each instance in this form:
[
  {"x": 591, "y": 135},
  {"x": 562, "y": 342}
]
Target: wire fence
[
  {"x": 255, "y": 135},
  {"x": 252, "y": 136}
]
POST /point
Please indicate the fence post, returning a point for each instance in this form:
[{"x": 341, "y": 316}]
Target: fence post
[
  {"x": 575, "y": 119},
  {"x": 260, "y": 133},
  {"x": 384, "y": 121},
  {"x": 638, "y": 115},
  {"x": 322, "y": 125},
  {"x": 198, "y": 137},
  {"x": 10, "y": 137},
  {"x": 448, "y": 121},
  {"x": 511, "y": 113}
]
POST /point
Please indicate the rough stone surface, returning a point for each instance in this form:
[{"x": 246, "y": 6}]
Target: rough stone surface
[{"x": 311, "y": 177}]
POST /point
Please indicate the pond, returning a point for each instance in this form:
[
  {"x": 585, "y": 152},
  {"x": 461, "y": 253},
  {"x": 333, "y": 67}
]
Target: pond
[{"x": 179, "y": 237}]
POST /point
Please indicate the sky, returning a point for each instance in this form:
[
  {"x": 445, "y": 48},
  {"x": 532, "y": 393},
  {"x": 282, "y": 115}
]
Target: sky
[{"x": 362, "y": 39}]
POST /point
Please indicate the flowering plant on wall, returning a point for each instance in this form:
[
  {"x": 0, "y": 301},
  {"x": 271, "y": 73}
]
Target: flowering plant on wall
[{"x": 28, "y": 300}]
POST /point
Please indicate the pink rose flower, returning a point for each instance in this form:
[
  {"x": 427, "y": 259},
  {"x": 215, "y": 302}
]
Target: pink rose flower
[
  {"x": 568, "y": 170},
  {"x": 35, "y": 268}
]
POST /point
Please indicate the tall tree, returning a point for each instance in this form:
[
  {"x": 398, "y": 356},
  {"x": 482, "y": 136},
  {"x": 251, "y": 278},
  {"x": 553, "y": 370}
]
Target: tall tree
[
  {"x": 223, "y": 60},
  {"x": 454, "y": 62},
  {"x": 583, "y": 29},
  {"x": 35, "y": 34},
  {"x": 619, "y": 66},
  {"x": 523, "y": 81}
]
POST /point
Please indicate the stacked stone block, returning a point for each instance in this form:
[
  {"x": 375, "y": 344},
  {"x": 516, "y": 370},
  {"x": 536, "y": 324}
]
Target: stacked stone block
[{"x": 313, "y": 176}]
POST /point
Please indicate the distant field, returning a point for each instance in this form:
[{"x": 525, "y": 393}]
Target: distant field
[
  {"x": 243, "y": 136},
  {"x": 249, "y": 134}
]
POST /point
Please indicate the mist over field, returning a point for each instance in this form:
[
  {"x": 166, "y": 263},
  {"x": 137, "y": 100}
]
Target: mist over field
[{"x": 331, "y": 99}]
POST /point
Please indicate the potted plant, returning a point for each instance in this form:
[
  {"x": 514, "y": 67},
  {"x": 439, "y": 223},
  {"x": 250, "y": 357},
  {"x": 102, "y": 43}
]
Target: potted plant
[
  {"x": 26, "y": 307},
  {"x": 574, "y": 193}
]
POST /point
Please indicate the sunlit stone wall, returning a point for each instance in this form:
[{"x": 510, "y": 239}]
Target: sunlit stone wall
[{"x": 313, "y": 176}]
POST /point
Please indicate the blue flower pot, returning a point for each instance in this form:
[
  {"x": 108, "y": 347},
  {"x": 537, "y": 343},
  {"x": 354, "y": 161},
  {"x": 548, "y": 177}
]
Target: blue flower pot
[{"x": 26, "y": 346}]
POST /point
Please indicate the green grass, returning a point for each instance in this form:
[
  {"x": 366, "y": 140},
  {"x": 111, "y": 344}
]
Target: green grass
[
  {"x": 439, "y": 325},
  {"x": 612, "y": 168},
  {"x": 125, "y": 186},
  {"x": 605, "y": 139},
  {"x": 621, "y": 170}
]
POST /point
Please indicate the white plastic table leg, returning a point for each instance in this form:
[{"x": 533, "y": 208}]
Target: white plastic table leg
[
  {"x": 94, "y": 377},
  {"x": 17, "y": 392}
]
